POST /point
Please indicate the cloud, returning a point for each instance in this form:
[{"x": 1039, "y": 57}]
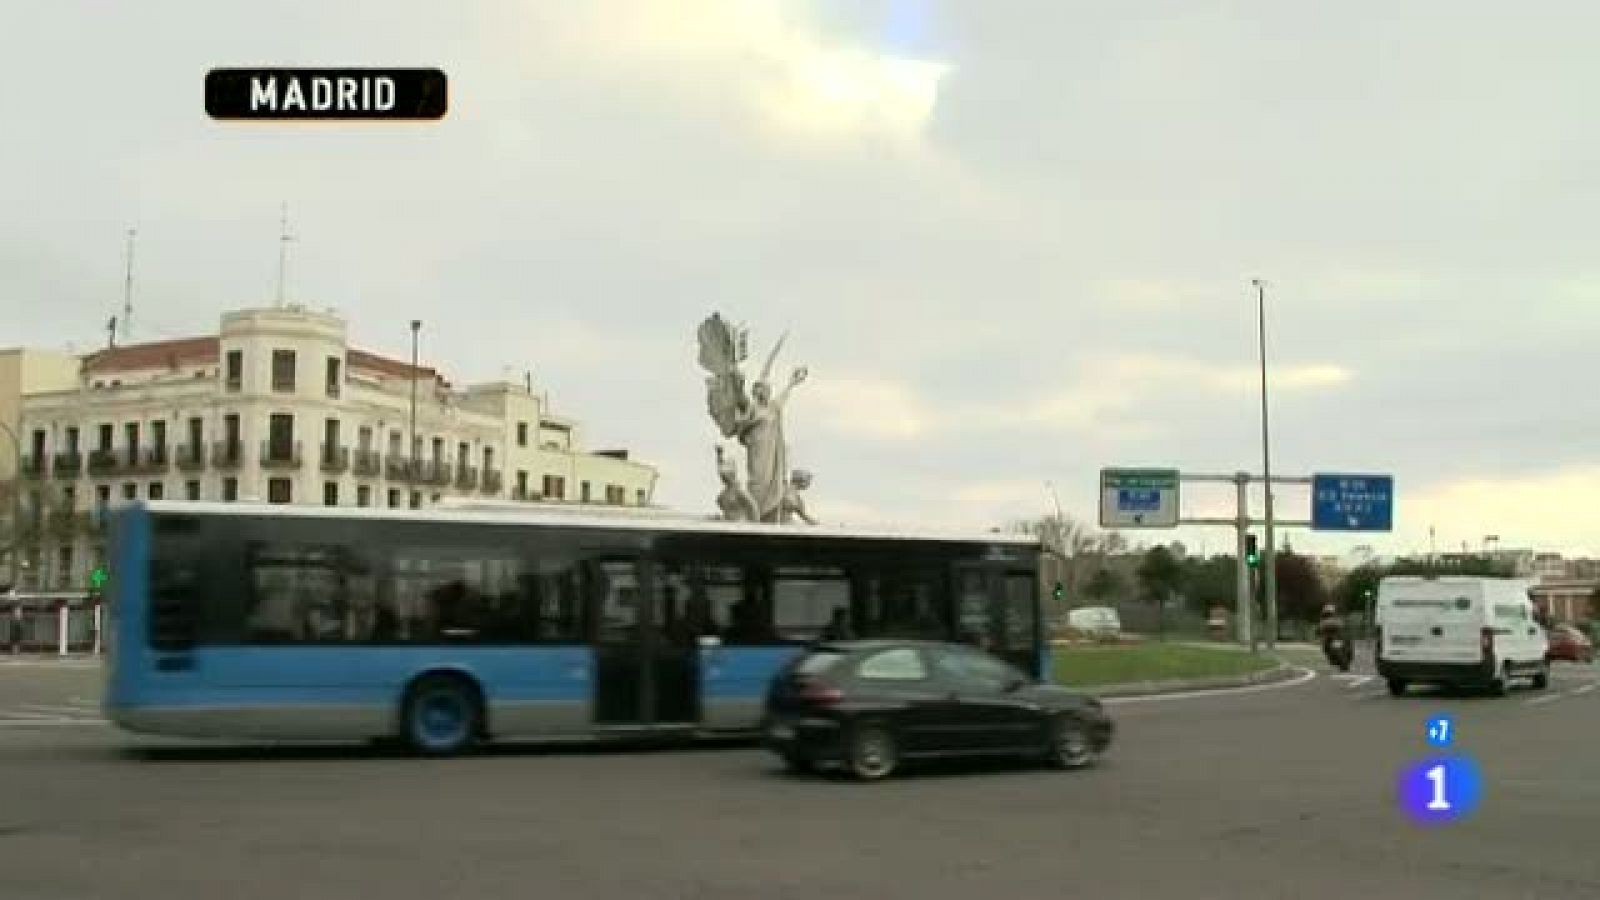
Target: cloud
[
  {"x": 1553, "y": 510},
  {"x": 868, "y": 408}
]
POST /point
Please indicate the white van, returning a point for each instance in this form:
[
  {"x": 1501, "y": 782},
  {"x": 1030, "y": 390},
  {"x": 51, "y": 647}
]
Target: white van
[
  {"x": 1095, "y": 621},
  {"x": 1458, "y": 631}
]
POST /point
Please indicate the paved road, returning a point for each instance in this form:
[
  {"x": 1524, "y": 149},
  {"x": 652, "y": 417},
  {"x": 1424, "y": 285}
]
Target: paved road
[{"x": 1275, "y": 793}]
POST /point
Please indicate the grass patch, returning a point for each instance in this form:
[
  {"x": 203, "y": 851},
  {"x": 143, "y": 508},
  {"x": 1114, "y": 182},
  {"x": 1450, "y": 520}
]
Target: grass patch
[{"x": 1090, "y": 665}]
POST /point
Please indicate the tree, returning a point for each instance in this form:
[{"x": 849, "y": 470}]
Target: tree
[
  {"x": 1160, "y": 576},
  {"x": 1358, "y": 589},
  {"x": 1082, "y": 550},
  {"x": 1210, "y": 582},
  {"x": 1102, "y": 585},
  {"x": 1301, "y": 593}
]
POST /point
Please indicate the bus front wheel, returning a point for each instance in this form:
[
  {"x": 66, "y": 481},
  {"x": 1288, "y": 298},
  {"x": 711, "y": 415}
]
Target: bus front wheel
[{"x": 441, "y": 715}]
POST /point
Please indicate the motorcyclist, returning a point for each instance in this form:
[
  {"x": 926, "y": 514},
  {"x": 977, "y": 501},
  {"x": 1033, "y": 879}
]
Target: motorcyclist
[{"x": 1329, "y": 627}]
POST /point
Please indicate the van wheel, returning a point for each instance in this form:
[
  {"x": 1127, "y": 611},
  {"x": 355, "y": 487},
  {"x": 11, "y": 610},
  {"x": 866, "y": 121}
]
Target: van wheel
[
  {"x": 1397, "y": 687},
  {"x": 1501, "y": 686},
  {"x": 1541, "y": 679},
  {"x": 872, "y": 754}
]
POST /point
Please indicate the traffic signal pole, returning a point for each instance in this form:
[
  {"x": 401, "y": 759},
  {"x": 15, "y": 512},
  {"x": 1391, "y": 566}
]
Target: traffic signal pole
[{"x": 1244, "y": 614}]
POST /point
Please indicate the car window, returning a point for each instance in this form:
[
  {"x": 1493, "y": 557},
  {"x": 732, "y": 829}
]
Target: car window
[
  {"x": 899, "y": 664},
  {"x": 818, "y": 662},
  {"x": 965, "y": 667}
]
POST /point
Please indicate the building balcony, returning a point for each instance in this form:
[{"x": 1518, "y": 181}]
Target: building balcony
[
  {"x": 466, "y": 478},
  {"x": 153, "y": 460},
  {"x": 335, "y": 458},
  {"x": 191, "y": 458},
  {"x": 368, "y": 463},
  {"x": 66, "y": 523},
  {"x": 67, "y": 465},
  {"x": 227, "y": 454},
  {"x": 396, "y": 468},
  {"x": 493, "y": 481},
  {"x": 104, "y": 462},
  {"x": 31, "y": 466},
  {"x": 280, "y": 455},
  {"x": 437, "y": 472},
  {"x": 526, "y": 495}
]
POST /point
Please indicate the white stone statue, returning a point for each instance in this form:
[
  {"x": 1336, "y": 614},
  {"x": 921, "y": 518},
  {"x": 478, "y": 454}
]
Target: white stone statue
[{"x": 756, "y": 420}]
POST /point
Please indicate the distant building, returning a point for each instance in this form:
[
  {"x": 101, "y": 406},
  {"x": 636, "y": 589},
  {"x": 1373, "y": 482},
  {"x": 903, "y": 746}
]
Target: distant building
[{"x": 278, "y": 407}]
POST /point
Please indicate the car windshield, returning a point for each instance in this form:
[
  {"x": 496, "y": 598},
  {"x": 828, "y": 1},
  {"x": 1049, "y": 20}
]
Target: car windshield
[{"x": 818, "y": 662}]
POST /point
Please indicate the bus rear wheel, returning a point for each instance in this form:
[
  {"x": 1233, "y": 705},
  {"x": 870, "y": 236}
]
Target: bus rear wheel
[{"x": 442, "y": 715}]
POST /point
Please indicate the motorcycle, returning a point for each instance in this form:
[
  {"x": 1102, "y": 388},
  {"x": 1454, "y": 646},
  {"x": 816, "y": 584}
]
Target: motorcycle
[{"x": 1339, "y": 651}]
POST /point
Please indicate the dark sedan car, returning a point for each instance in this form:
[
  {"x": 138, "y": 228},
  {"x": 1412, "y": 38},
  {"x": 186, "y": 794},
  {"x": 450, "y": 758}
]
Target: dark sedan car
[{"x": 868, "y": 705}]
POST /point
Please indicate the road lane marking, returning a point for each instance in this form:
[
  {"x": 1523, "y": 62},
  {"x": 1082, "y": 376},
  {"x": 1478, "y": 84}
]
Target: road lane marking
[
  {"x": 59, "y": 710},
  {"x": 1585, "y": 689},
  {"x": 1304, "y": 676},
  {"x": 1548, "y": 698},
  {"x": 1360, "y": 681}
]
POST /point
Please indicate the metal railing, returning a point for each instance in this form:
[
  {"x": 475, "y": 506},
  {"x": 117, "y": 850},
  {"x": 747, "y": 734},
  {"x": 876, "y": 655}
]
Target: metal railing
[
  {"x": 335, "y": 458},
  {"x": 280, "y": 454},
  {"x": 59, "y": 624}
]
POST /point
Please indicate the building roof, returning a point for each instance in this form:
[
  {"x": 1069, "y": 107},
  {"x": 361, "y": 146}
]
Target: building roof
[
  {"x": 159, "y": 354},
  {"x": 383, "y": 365},
  {"x": 153, "y": 355}
]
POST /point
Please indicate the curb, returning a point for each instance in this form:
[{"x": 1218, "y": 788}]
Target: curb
[{"x": 1282, "y": 672}]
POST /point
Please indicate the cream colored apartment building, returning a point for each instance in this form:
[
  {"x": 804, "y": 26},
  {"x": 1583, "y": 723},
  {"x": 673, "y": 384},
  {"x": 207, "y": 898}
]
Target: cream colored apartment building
[{"x": 277, "y": 407}]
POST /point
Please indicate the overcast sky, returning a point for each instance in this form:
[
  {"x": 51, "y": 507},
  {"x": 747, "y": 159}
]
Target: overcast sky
[{"x": 1013, "y": 241}]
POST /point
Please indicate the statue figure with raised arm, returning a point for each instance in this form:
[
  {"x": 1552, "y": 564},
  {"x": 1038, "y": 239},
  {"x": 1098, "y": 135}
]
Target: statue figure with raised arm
[
  {"x": 756, "y": 420},
  {"x": 794, "y": 506}
]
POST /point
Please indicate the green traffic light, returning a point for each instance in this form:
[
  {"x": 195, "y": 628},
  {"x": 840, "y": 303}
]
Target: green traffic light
[{"x": 1060, "y": 591}]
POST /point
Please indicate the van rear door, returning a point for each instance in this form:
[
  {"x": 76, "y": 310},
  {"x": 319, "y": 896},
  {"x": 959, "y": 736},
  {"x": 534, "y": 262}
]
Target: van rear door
[{"x": 1432, "y": 622}]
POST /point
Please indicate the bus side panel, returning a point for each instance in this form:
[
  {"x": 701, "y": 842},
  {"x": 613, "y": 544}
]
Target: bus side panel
[
  {"x": 734, "y": 683},
  {"x": 352, "y": 692}
]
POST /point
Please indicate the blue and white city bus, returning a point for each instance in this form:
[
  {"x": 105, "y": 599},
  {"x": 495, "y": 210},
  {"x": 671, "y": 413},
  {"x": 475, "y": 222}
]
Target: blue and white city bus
[{"x": 446, "y": 627}]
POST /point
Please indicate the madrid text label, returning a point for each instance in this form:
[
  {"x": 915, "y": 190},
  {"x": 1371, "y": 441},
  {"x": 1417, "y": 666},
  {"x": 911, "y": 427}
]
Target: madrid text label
[{"x": 322, "y": 94}]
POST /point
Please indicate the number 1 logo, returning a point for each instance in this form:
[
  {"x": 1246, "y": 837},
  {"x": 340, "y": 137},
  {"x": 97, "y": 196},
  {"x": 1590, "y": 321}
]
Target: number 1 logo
[{"x": 1439, "y": 791}]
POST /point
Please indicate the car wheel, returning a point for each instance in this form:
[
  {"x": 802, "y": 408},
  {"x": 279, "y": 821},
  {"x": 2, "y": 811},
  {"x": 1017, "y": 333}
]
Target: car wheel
[
  {"x": 1541, "y": 679},
  {"x": 441, "y": 715},
  {"x": 1071, "y": 747},
  {"x": 1397, "y": 686},
  {"x": 1501, "y": 686},
  {"x": 872, "y": 755}
]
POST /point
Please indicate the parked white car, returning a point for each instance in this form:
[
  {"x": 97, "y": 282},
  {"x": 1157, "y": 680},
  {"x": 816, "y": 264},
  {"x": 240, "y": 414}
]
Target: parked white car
[{"x": 1095, "y": 621}]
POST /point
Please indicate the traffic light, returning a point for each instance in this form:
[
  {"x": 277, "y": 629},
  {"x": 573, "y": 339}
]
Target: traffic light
[
  {"x": 1060, "y": 591},
  {"x": 1252, "y": 556}
]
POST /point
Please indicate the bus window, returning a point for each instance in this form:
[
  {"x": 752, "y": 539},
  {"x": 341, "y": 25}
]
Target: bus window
[{"x": 805, "y": 602}]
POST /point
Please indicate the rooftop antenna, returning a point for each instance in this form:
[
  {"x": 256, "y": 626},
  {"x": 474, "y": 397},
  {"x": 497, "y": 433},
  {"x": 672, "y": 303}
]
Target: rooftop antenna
[
  {"x": 127, "y": 290},
  {"x": 284, "y": 237},
  {"x": 111, "y": 333}
]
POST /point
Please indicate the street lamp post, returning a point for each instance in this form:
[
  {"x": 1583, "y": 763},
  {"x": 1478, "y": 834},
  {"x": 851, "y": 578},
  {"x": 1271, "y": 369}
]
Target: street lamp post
[
  {"x": 411, "y": 448},
  {"x": 1269, "y": 558}
]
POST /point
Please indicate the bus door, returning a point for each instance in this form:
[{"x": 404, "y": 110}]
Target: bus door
[
  {"x": 645, "y": 660},
  {"x": 996, "y": 609}
]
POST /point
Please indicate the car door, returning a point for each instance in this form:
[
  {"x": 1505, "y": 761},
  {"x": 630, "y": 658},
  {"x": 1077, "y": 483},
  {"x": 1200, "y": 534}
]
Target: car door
[
  {"x": 897, "y": 683},
  {"x": 980, "y": 708}
]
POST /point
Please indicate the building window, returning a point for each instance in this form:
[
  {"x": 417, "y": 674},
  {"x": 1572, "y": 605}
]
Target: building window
[
  {"x": 280, "y": 436},
  {"x": 131, "y": 430},
  {"x": 69, "y": 498},
  {"x": 434, "y": 499},
  {"x": 522, "y": 434},
  {"x": 416, "y": 499},
  {"x": 522, "y": 484},
  {"x": 438, "y": 449},
  {"x": 280, "y": 490},
  {"x": 488, "y": 459},
  {"x": 72, "y": 440},
  {"x": 363, "y": 495},
  {"x": 105, "y": 437},
  {"x": 235, "y": 378},
  {"x": 197, "y": 435},
  {"x": 639, "y": 496},
  {"x": 333, "y": 376},
  {"x": 64, "y": 566},
  {"x": 191, "y": 490},
  {"x": 584, "y": 493},
  {"x": 158, "y": 439},
  {"x": 616, "y": 495},
  {"x": 330, "y": 493},
  {"x": 283, "y": 370},
  {"x": 555, "y": 487},
  {"x": 394, "y": 498},
  {"x": 157, "y": 490},
  {"x": 130, "y": 491},
  {"x": 102, "y": 497},
  {"x": 230, "y": 489}
]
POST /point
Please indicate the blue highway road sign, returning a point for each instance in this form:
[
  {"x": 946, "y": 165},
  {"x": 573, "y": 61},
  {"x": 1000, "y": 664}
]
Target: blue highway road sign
[{"x": 1352, "y": 502}]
